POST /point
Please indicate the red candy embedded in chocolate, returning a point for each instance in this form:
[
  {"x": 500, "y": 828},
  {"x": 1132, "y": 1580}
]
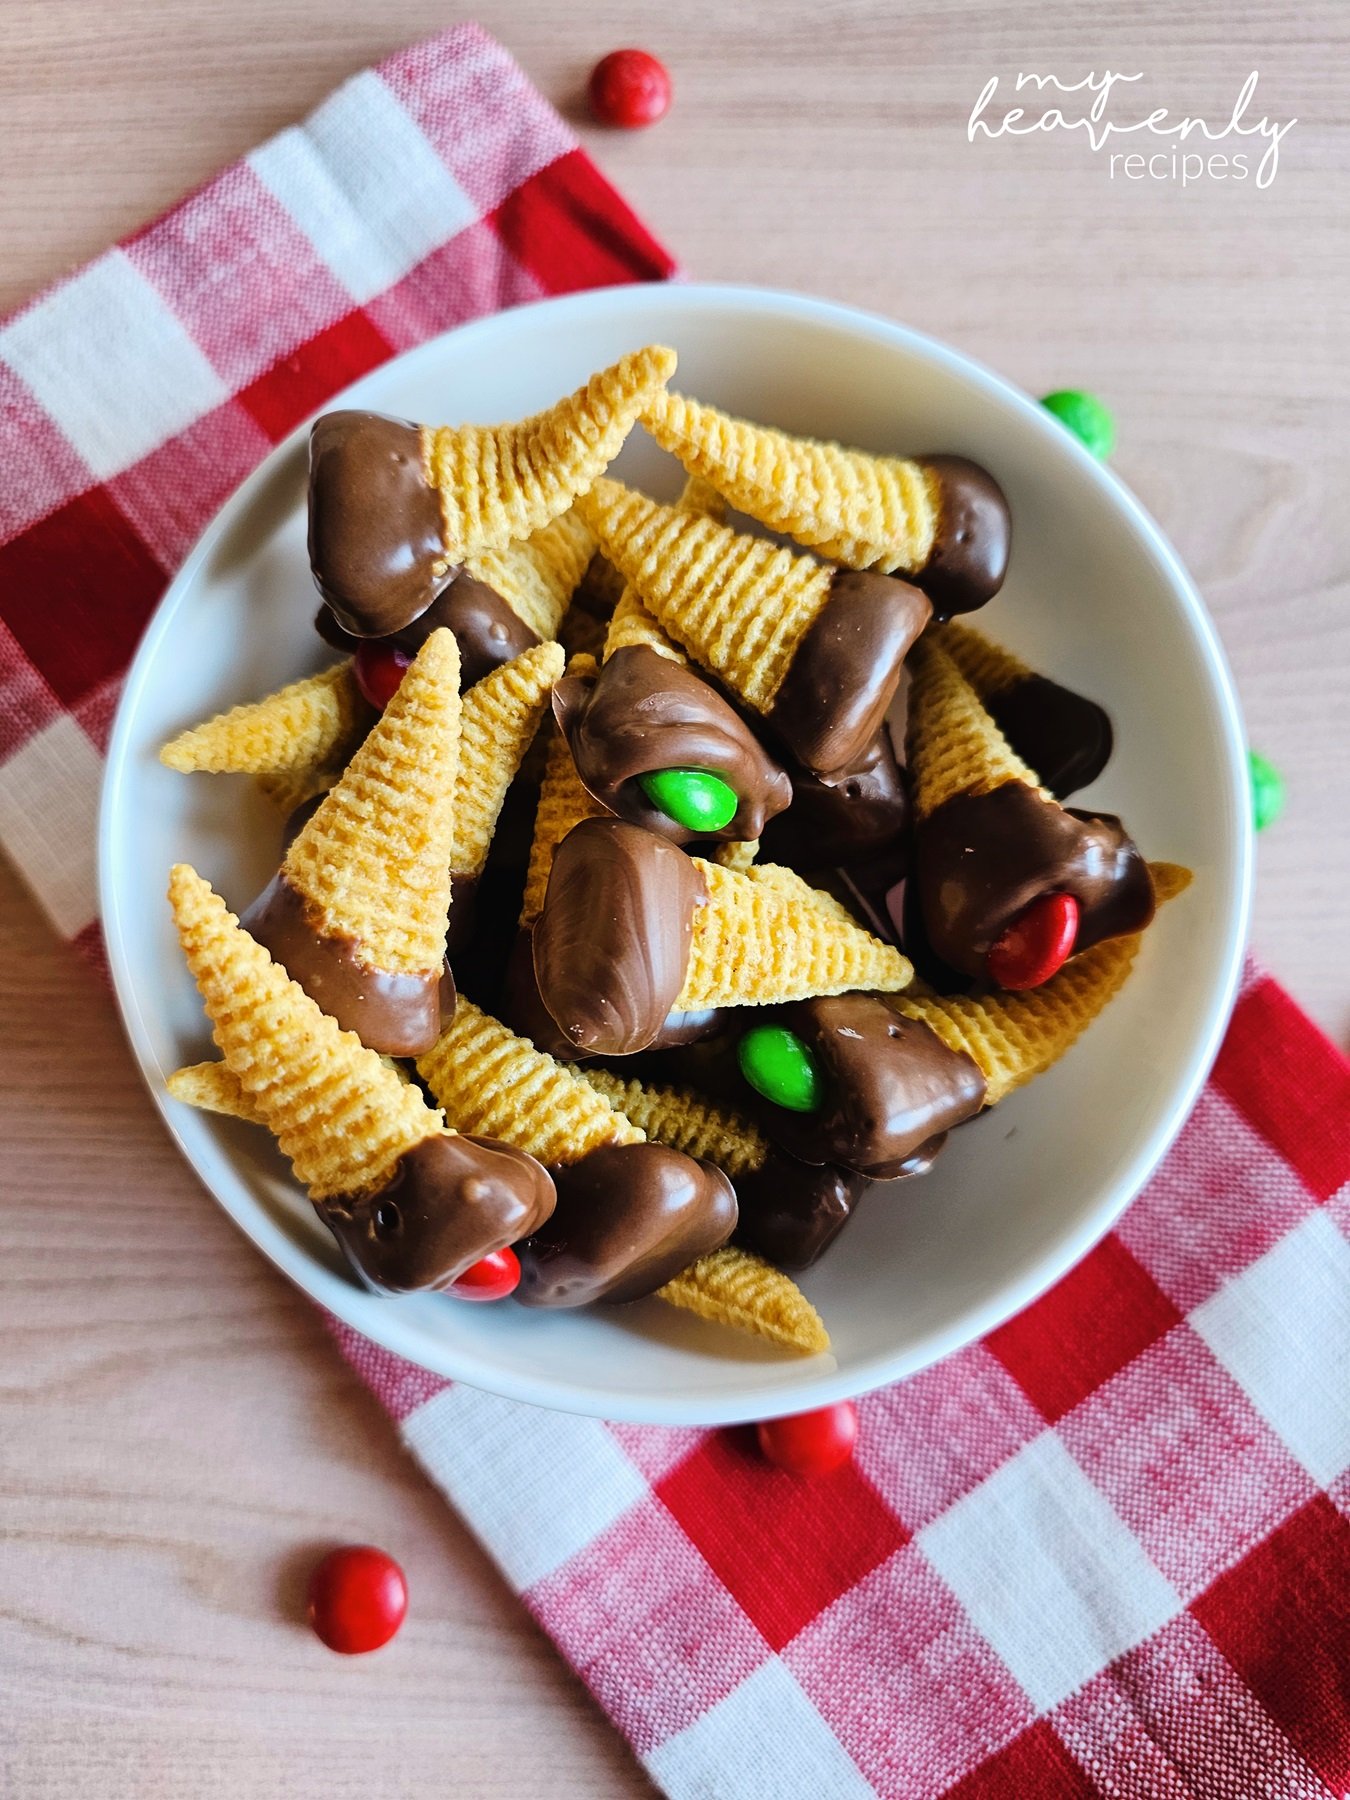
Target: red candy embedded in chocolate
[
  {"x": 358, "y": 1598},
  {"x": 811, "y": 1443},
  {"x": 379, "y": 668},
  {"x": 1037, "y": 944},
  {"x": 493, "y": 1277},
  {"x": 629, "y": 88}
]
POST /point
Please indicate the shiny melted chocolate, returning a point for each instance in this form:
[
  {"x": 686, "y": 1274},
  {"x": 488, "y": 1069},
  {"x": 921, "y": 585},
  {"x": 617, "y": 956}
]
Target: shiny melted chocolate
[
  {"x": 969, "y": 558},
  {"x": 861, "y": 814},
  {"x": 450, "y": 1201},
  {"x": 642, "y": 713},
  {"x": 1064, "y": 736},
  {"x": 376, "y": 545},
  {"x": 983, "y": 858},
  {"x": 791, "y": 1212},
  {"x": 846, "y": 670},
  {"x": 892, "y": 1088},
  {"x": 629, "y": 1217},
  {"x": 524, "y": 1011},
  {"x": 487, "y": 630},
  {"x": 611, "y": 944},
  {"x": 398, "y": 1015}
]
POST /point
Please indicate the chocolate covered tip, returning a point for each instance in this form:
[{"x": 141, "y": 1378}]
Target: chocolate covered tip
[
  {"x": 844, "y": 674},
  {"x": 1063, "y": 735},
  {"x": 862, "y": 814},
  {"x": 644, "y": 714},
  {"x": 969, "y": 558},
  {"x": 450, "y": 1201},
  {"x": 889, "y": 1087},
  {"x": 376, "y": 546},
  {"x": 611, "y": 944},
  {"x": 982, "y": 859},
  {"x": 791, "y": 1211},
  {"x": 629, "y": 1218},
  {"x": 396, "y": 1014},
  {"x": 524, "y": 1011}
]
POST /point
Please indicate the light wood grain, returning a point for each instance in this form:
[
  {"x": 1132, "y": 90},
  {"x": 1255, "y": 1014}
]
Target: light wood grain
[{"x": 177, "y": 1434}]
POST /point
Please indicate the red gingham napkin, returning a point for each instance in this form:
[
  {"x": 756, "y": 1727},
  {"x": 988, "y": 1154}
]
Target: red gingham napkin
[{"x": 1105, "y": 1552}]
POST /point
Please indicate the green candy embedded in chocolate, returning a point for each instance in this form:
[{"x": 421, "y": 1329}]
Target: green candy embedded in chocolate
[
  {"x": 692, "y": 797},
  {"x": 1085, "y": 416},
  {"x": 778, "y": 1065},
  {"x": 1267, "y": 790}
]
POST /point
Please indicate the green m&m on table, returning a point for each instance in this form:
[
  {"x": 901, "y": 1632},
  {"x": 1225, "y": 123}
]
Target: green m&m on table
[
  {"x": 778, "y": 1065},
  {"x": 1267, "y": 790},
  {"x": 692, "y": 797},
  {"x": 1085, "y": 416}
]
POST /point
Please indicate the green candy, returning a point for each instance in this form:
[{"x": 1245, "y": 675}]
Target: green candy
[
  {"x": 1267, "y": 790},
  {"x": 692, "y": 797},
  {"x": 1086, "y": 417},
  {"x": 778, "y": 1065}
]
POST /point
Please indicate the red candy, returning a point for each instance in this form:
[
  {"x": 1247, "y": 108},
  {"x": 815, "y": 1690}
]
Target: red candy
[
  {"x": 1037, "y": 944},
  {"x": 629, "y": 88},
  {"x": 379, "y": 668},
  {"x": 811, "y": 1443},
  {"x": 357, "y": 1599},
  {"x": 492, "y": 1278}
]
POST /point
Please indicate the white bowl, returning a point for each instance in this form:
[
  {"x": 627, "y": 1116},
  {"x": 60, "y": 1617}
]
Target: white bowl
[{"x": 1094, "y": 597}]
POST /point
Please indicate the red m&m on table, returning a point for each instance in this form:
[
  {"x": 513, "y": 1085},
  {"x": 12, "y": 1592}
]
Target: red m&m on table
[
  {"x": 629, "y": 88},
  {"x": 358, "y": 1598}
]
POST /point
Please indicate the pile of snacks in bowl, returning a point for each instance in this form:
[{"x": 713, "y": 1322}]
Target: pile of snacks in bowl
[{"x": 611, "y": 951}]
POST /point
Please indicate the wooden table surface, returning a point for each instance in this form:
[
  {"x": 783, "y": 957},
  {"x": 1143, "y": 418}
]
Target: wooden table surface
[{"x": 177, "y": 1436}]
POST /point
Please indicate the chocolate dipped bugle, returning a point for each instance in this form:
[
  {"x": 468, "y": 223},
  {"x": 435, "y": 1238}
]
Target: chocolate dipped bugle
[
  {"x": 816, "y": 652},
  {"x": 632, "y": 930},
  {"x": 642, "y": 717},
  {"x": 396, "y": 510},
  {"x": 635, "y": 1213},
  {"x": 990, "y": 843},
  {"x": 848, "y": 1080},
  {"x": 359, "y": 910},
  {"x": 411, "y": 1204},
  {"x": 1063, "y": 735},
  {"x": 943, "y": 521},
  {"x": 789, "y": 1211},
  {"x": 629, "y": 1218}
]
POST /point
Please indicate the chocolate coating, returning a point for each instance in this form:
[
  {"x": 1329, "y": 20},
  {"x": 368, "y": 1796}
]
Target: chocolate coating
[
  {"x": 335, "y": 635},
  {"x": 983, "y": 858},
  {"x": 969, "y": 558},
  {"x": 486, "y": 629},
  {"x": 846, "y": 670},
  {"x": 611, "y": 944},
  {"x": 524, "y": 1011},
  {"x": 791, "y": 1212},
  {"x": 376, "y": 545},
  {"x": 860, "y": 814},
  {"x": 398, "y": 1015},
  {"x": 644, "y": 712},
  {"x": 450, "y": 1201},
  {"x": 1064, "y": 736},
  {"x": 891, "y": 1086},
  {"x": 629, "y": 1217}
]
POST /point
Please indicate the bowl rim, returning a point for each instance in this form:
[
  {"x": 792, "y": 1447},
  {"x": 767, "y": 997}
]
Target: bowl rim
[{"x": 348, "y": 1303}]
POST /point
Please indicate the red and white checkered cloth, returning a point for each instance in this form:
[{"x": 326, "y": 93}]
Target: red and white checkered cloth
[{"x": 1105, "y": 1552}]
